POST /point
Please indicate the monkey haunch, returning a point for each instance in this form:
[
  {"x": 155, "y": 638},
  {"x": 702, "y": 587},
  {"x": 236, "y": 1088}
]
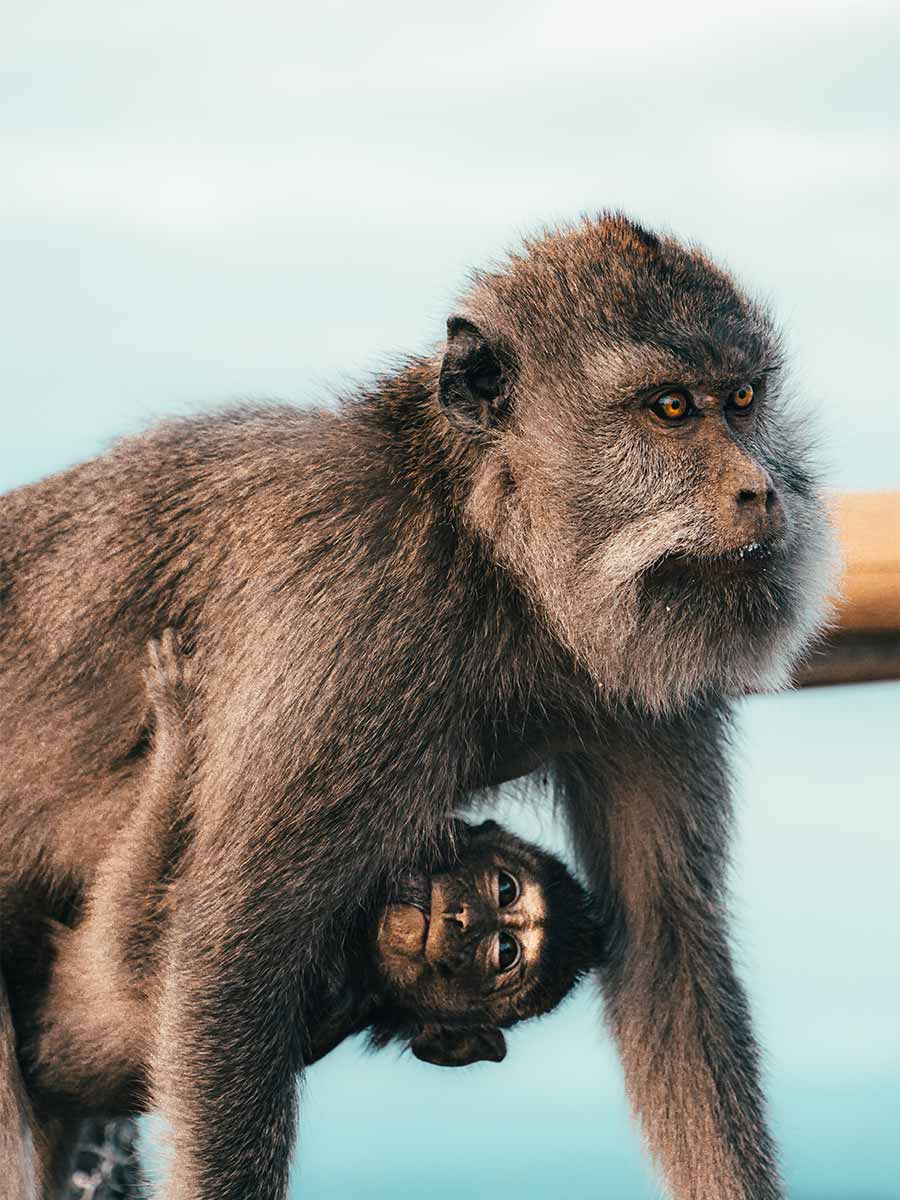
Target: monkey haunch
[{"x": 527, "y": 547}]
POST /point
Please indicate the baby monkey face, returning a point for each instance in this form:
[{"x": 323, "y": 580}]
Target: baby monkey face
[
  {"x": 486, "y": 925},
  {"x": 466, "y": 943}
]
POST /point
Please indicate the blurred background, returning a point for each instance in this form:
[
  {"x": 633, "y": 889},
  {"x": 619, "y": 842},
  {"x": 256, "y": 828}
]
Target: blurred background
[{"x": 210, "y": 201}]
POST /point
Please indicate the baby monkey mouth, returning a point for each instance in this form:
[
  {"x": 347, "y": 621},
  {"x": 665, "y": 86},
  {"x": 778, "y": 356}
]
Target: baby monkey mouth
[
  {"x": 405, "y": 922},
  {"x": 413, "y": 887}
]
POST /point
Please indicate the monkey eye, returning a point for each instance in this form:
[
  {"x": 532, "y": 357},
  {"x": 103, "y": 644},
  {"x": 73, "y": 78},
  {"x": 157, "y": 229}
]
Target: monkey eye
[
  {"x": 508, "y": 951},
  {"x": 672, "y": 406},
  {"x": 507, "y": 888},
  {"x": 742, "y": 399}
]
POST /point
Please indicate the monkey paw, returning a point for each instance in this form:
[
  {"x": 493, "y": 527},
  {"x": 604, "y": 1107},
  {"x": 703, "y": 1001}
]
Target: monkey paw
[{"x": 167, "y": 675}]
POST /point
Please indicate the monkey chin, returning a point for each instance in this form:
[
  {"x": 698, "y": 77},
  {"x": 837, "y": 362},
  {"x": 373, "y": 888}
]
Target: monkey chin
[
  {"x": 693, "y": 627},
  {"x": 728, "y": 624}
]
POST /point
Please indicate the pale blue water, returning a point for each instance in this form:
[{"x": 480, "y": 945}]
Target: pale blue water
[{"x": 213, "y": 201}]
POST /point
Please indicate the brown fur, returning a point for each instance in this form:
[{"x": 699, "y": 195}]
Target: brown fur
[
  {"x": 496, "y": 555},
  {"x": 35, "y": 1148}
]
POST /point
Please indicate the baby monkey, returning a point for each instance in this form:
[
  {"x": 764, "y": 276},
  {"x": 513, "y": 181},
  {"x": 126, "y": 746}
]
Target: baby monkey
[{"x": 446, "y": 958}]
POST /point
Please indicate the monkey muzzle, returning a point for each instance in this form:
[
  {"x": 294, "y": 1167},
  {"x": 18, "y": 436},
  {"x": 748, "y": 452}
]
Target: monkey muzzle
[
  {"x": 403, "y": 928},
  {"x": 413, "y": 887}
]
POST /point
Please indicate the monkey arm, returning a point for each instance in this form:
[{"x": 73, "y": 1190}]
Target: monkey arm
[
  {"x": 651, "y": 820},
  {"x": 257, "y": 905},
  {"x": 87, "y": 1030},
  {"x": 230, "y": 1040},
  {"x": 116, "y": 945}
]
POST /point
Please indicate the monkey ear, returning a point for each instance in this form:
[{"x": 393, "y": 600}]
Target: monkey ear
[
  {"x": 474, "y": 385},
  {"x": 459, "y": 1047},
  {"x": 488, "y": 826}
]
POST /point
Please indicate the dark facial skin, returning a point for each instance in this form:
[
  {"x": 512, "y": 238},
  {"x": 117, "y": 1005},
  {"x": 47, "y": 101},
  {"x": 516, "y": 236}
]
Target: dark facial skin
[
  {"x": 499, "y": 555},
  {"x": 468, "y": 946},
  {"x": 462, "y": 952}
]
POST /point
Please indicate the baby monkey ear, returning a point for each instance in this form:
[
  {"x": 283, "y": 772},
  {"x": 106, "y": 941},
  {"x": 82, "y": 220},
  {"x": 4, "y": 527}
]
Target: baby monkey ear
[
  {"x": 459, "y": 1047},
  {"x": 475, "y": 383}
]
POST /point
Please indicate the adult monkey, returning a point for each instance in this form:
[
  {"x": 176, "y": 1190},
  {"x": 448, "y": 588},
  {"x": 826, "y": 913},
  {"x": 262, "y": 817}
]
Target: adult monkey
[{"x": 569, "y": 535}]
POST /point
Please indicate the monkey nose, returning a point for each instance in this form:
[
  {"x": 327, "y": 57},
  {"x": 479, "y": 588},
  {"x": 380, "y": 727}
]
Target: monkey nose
[
  {"x": 760, "y": 500},
  {"x": 765, "y": 512},
  {"x": 459, "y": 916},
  {"x": 757, "y": 499}
]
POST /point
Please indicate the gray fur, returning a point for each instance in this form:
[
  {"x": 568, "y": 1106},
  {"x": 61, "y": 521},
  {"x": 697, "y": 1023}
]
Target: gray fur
[{"x": 493, "y": 557}]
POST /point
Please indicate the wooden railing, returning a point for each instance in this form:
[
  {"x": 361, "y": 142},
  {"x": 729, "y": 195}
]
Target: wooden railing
[{"x": 865, "y": 644}]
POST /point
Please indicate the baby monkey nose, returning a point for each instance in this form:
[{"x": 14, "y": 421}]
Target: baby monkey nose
[
  {"x": 468, "y": 917},
  {"x": 459, "y": 916}
]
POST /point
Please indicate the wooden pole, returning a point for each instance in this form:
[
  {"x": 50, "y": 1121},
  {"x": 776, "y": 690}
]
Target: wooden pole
[{"x": 865, "y": 644}]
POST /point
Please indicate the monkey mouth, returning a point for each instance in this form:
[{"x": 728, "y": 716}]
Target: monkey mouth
[
  {"x": 751, "y": 551},
  {"x": 744, "y": 559},
  {"x": 405, "y": 922},
  {"x": 748, "y": 559},
  {"x": 414, "y": 888}
]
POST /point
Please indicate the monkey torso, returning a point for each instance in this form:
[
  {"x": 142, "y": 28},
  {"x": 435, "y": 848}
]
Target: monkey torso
[{"x": 246, "y": 531}]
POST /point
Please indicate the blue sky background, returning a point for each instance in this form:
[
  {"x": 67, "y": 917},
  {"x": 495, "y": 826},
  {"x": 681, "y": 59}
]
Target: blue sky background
[{"x": 205, "y": 201}]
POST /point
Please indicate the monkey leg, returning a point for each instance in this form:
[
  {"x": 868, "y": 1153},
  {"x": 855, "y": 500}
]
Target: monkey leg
[
  {"x": 650, "y": 816},
  {"x": 35, "y": 1151},
  {"x": 57, "y": 1141},
  {"x": 19, "y": 1161},
  {"x": 226, "y": 1069}
]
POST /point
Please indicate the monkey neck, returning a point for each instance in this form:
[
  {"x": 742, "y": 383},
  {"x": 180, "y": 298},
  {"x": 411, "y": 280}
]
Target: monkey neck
[
  {"x": 443, "y": 481},
  {"x": 345, "y": 993},
  {"x": 433, "y": 460}
]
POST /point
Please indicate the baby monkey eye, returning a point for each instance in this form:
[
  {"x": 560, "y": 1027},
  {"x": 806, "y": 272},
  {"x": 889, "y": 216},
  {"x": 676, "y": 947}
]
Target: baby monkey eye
[
  {"x": 507, "y": 888},
  {"x": 672, "y": 406},
  {"x": 508, "y": 951},
  {"x": 742, "y": 399}
]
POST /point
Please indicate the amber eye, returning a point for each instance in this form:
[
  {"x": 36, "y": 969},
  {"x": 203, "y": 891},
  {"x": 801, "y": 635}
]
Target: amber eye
[
  {"x": 507, "y": 951},
  {"x": 507, "y": 889},
  {"x": 743, "y": 397},
  {"x": 673, "y": 406}
]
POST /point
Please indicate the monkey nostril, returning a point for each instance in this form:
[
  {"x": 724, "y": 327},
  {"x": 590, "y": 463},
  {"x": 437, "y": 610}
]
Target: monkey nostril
[{"x": 761, "y": 506}]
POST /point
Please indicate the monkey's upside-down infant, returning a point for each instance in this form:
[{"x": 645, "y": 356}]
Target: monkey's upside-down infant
[{"x": 450, "y": 956}]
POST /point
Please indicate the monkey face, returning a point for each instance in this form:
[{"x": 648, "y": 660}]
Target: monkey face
[
  {"x": 637, "y": 464},
  {"x": 468, "y": 940},
  {"x": 500, "y": 936}
]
